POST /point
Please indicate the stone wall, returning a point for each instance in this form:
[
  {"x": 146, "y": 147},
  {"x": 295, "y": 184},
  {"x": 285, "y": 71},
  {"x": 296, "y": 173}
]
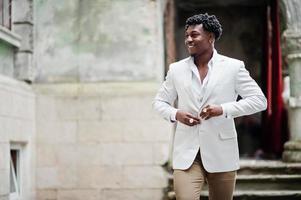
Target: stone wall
[
  {"x": 101, "y": 40},
  {"x": 98, "y": 68},
  {"x": 100, "y": 141},
  {"x": 17, "y": 126}
]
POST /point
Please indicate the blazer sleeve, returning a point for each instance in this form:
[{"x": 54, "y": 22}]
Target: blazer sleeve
[
  {"x": 253, "y": 99},
  {"x": 165, "y": 98}
]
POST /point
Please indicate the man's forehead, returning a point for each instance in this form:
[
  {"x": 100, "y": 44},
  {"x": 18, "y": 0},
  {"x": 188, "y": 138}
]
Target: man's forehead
[{"x": 196, "y": 27}]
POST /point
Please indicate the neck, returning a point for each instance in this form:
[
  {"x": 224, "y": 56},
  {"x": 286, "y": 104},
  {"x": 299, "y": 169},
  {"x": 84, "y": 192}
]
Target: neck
[{"x": 202, "y": 60}]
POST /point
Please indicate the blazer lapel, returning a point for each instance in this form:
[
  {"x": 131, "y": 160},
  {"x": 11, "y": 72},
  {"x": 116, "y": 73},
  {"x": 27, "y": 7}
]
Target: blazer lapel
[
  {"x": 213, "y": 79},
  {"x": 188, "y": 81}
]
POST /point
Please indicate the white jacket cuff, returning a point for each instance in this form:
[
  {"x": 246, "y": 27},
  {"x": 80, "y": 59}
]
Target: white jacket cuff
[
  {"x": 173, "y": 115},
  {"x": 226, "y": 113}
]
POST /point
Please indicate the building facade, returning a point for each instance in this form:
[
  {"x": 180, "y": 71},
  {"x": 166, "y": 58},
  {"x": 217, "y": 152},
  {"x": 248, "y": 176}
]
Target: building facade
[{"x": 76, "y": 85}]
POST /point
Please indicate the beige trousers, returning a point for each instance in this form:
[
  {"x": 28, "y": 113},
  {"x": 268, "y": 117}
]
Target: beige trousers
[{"x": 188, "y": 183}]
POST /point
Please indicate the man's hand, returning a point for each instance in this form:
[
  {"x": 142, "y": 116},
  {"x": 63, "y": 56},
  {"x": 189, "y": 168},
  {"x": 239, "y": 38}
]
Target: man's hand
[
  {"x": 211, "y": 111},
  {"x": 187, "y": 118}
]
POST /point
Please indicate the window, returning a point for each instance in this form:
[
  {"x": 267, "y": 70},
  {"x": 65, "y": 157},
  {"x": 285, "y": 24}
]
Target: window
[
  {"x": 5, "y": 13},
  {"x": 15, "y": 171}
]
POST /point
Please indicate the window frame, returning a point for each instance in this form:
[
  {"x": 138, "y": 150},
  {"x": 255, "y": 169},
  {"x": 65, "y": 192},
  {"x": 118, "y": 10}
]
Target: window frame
[
  {"x": 17, "y": 173},
  {"x": 6, "y": 14}
]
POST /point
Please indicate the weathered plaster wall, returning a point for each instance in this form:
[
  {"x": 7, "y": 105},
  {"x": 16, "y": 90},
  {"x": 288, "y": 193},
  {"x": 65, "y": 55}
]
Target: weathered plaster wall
[{"x": 101, "y": 40}]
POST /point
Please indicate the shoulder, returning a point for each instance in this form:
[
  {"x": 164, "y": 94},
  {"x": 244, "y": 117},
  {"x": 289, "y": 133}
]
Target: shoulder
[
  {"x": 230, "y": 60},
  {"x": 180, "y": 65},
  {"x": 233, "y": 65}
]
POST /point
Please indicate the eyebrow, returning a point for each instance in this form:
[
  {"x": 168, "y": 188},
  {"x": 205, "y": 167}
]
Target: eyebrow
[{"x": 193, "y": 31}]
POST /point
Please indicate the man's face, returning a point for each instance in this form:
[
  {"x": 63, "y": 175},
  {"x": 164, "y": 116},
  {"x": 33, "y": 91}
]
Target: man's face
[{"x": 197, "y": 40}]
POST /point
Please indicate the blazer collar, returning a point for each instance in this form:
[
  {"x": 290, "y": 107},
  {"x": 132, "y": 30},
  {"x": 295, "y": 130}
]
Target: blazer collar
[
  {"x": 215, "y": 73},
  {"x": 216, "y": 57}
]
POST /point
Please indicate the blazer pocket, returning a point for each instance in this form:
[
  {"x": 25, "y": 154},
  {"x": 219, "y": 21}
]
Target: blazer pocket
[{"x": 227, "y": 134}]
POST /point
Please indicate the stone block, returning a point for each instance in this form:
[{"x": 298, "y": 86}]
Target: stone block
[
  {"x": 88, "y": 177},
  {"x": 19, "y": 129},
  {"x": 46, "y": 108},
  {"x": 128, "y": 107},
  {"x": 46, "y": 194},
  {"x": 4, "y": 186},
  {"x": 132, "y": 194},
  {"x": 80, "y": 194},
  {"x": 67, "y": 177},
  {"x": 57, "y": 132},
  {"x": 22, "y": 11},
  {"x": 4, "y": 156},
  {"x": 82, "y": 108},
  {"x": 29, "y": 108},
  {"x": 127, "y": 154},
  {"x": 100, "y": 131},
  {"x": 161, "y": 152},
  {"x": 67, "y": 107},
  {"x": 100, "y": 177},
  {"x": 46, "y": 155},
  {"x": 89, "y": 154},
  {"x": 23, "y": 107},
  {"x": 26, "y": 32},
  {"x": 67, "y": 155},
  {"x": 292, "y": 151},
  {"x": 6, "y": 102},
  {"x": 144, "y": 177},
  {"x": 146, "y": 130},
  {"x": 3, "y": 130},
  {"x": 47, "y": 178}
]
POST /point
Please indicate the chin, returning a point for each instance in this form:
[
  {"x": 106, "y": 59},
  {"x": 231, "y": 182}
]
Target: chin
[{"x": 191, "y": 53}]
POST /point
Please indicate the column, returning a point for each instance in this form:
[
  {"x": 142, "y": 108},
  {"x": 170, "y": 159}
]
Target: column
[
  {"x": 22, "y": 19},
  {"x": 292, "y": 148}
]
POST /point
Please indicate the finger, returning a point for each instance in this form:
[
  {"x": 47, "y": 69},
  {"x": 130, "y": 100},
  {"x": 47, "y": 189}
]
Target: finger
[
  {"x": 193, "y": 121},
  {"x": 201, "y": 114},
  {"x": 207, "y": 117},
  {"x": 204, "y": 114},
  {"x": 190, "y": 124},
  {"x": 189, "y": 121},
  {"x": 193, "y": 117},
  {"x": 204, "y": 111}
]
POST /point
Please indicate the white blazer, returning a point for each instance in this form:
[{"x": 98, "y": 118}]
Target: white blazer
[{"x": 216, "y": 137}]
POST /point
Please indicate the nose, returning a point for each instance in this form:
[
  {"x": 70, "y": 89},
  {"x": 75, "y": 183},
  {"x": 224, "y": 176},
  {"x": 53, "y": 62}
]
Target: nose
[{"x": 188, "y": 40}]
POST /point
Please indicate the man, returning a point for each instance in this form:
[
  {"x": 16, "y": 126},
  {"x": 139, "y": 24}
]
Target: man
[{"x": 206, "y": 86}]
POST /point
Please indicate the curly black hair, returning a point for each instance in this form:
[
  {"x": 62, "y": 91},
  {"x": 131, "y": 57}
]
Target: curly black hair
[{"x": 210, "y": 23}]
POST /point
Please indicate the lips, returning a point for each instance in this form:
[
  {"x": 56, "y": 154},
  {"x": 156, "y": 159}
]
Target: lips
[{"x": 190, "y": 44}]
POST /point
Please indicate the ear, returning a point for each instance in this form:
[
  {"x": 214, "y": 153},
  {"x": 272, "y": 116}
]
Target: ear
[{"x": 211, "y": 37}]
